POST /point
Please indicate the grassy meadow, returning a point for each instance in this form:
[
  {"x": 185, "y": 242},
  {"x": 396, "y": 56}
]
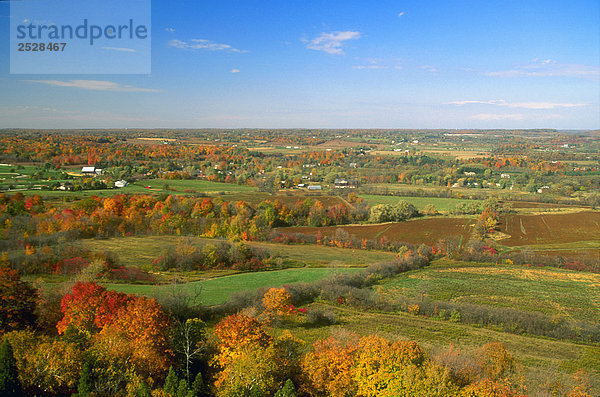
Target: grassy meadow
[
  {"x": 544, "y": 361},
  {"x": 442, "y": 204},
  {"x": 142, "y": 250},
  {"x": 555, "y": 292},
  {"x": 218, "y": 290}
]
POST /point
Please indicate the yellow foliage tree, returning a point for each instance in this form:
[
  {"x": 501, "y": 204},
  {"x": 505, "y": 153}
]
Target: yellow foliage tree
[{"x": 277, "y": 303}]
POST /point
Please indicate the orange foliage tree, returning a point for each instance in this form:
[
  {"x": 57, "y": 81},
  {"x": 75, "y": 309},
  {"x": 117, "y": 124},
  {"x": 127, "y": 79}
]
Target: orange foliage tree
[
  {"x": 235, "y": 333},
  {"x": 137, "y": 334},
  {"x": 328, "y": 367}
]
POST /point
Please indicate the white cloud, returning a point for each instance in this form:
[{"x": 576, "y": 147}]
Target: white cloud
[
  {"x": 543, "y": 105},
  {"x": 549, "y": 68},
  {"x": 235, "y": 70},
  {"x": 522, "y": 105},
  {"x": 94, "y": 85},
  {"x": 170, "y": 30},
  {"x": 401, "y": 14},
  {"x": 203, "y": 44},
  {"x": 492, "y": 102},
  {"x": 331, "y": 43},
  {"x": 119, "y": 49}
]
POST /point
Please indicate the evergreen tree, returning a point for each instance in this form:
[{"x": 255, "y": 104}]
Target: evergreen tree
[
  {"x": 198, "y": 385},
  {"x": 183, "y": 390},
  {"x": 288, "y": 390},
  {"x": 86, "y": 381},
  {"x": 142, "y": 390},
  {"x": 9, "y": 377},
  {"x": 171, "y": 382}
]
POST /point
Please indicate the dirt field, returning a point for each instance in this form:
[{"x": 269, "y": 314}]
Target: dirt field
[
  {"x": 550, "y": 228},
  {"x": 427, "y": 231}
]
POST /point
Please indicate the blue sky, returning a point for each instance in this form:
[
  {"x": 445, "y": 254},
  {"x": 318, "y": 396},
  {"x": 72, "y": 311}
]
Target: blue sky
[{"x": 335, "y": 64}]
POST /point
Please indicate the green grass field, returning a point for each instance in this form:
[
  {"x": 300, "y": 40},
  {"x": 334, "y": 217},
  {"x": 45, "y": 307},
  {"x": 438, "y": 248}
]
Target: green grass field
[
  {"x": 156, "y": 186},
  {"x": 139, "y": 251},
  {"x": 442, "y": 204},
  {"x": 180, "y": 186},
  {"x": 218, "y": 290},
  {"x": 555, "y": 292}
]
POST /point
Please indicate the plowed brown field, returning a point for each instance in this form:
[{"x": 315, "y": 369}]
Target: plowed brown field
[
  {"x": 550, "y": 228},
  {"x": 427, "y": 231}
]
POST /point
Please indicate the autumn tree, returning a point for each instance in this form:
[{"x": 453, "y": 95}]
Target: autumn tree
[
  {"x": 88, "y": 307},
  {"x": 235, "y": 333},
  {"x": 328, "y": 367},
  {"x": 253, "y": 372},
  {"x": 398, "y": 369},
  {"x": 496, "y": 362},
  {"x": 260, "y": 370},
  {"x": 277, "y": 303},
  {"x": 490, "y": 388},
  {"x": 137, "y": 335},
  {"x": 55, "y": 366},
  {"x": 17, "y": 302}
]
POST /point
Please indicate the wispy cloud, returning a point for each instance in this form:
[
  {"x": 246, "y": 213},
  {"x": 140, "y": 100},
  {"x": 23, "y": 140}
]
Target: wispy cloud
[
  {"x": 235, "y": 70},
  {"x": 360, "y": 67},
  {"x": 332, "y": 43},
  {"x": 203, "y": 44},
  {"x": 170, "y": 30},
  {"x": 119, "y": 49},
  {"x": 429, "y": 68},
  {"x": 401, "y": 14},
  {"x": 522, "y": 105},
  {"x": 26, "y": 108},
  {"x": 549, "y": 68},
  {"x": 94, "y": 85},
  {"x": 377, "y": 64}
]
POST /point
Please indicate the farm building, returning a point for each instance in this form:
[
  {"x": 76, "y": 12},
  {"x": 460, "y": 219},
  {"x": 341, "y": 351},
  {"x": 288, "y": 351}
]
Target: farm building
[
  {"x": 315, "y": 187},
  {"x": 91, "y": 170},
  {"x": 345, "y": 184}
]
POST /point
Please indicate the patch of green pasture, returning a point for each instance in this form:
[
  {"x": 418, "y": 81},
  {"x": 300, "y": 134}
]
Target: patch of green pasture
[
  {"x": 199, "y": 185},
  {"x": 227, "y": 191},
  {"x": 442, "y": 204},
  {"x": 218, "y": 290}
]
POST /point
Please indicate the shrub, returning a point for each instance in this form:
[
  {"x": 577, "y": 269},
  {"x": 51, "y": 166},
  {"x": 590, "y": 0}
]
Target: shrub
[{"x": 318, "y": 317}]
